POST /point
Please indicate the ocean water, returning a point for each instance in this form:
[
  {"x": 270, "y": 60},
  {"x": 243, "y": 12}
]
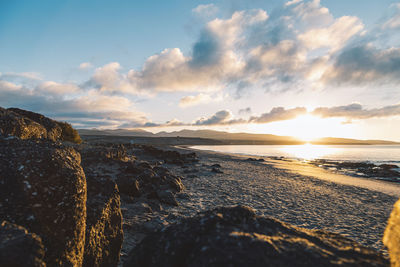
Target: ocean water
[{"x": 377, "y": 154}]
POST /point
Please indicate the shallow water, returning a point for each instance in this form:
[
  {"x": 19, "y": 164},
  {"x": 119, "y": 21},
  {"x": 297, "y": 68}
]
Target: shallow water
[{"x": 370, "y": 153}]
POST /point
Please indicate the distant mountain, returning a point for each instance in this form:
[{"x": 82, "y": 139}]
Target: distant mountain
[
  {"x": 116, "y": 132},
  {"x": 347, "y": 141},
  {"x": 211, "y": 134},
  {"x": 233, "y": 138}
]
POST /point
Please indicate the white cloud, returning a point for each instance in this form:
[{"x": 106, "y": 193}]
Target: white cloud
[
  {"x": 394, "y": 21},
  {"x": 201, "y": 98},
  {"x": 334, "y": 36},
  {"x": 278, "y": 114},
  {"x": 21, "y": 75},
  {"x": 221, "y": 117},
  {"x": 85, "y": 66},
  {"x": 57, "y": 88},
  {"x": 207, "y": 10},
  {"x": 9, "y": 86},
  {"x": 293, "y": 2},
  {"x": 357, "y": 111}
]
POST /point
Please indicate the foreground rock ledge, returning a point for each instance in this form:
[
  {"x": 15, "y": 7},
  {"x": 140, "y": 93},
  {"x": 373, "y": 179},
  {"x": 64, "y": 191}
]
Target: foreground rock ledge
[
  {"x": 20, "y": 248},
  {"x": 236, "y": 236},
  {"x": 43, "y": 188}
]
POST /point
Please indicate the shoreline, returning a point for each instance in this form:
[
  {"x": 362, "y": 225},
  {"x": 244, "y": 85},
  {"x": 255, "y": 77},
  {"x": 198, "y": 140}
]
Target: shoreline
[
  {"x": 306, "y": 168},
  {"x": 353, "y": 210}
]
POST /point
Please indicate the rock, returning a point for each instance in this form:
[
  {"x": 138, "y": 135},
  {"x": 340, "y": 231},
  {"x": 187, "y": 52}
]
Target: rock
[
  {"x": 236, "y": 236},
  {"x": 20, "y": 248},
  {"x": 143, "y": 208},
  {"x": 53, "y": 130},
  {"x": 216, "y": 170},
  {"x": 141, "y": 179},
  {"x": 167, "y": 197},
  {"x": 216, "y": 166},
  {"x": 43, "y": 188},
  {"x": 29, "y": 125},
  {"x": 391, "y": 238},
  {"x": 104, "y": 234},
  {"x": 128, "y": 185},
  {"x": 13, "y": 124},
  {"x": 253, "y": 159},
  {"x": 169, "y": 156},
  {"x": 388, "y": 166},
  {"x": 102, "y": 154}
]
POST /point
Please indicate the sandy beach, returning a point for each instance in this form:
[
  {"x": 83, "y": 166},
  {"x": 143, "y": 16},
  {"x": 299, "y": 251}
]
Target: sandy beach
[{"x": 356, "y": 208}]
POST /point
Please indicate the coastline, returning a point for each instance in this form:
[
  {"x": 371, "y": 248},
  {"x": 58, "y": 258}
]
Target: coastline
[
  {"x": 309, "y": 168},
  {"x": 353, "y": 209}
]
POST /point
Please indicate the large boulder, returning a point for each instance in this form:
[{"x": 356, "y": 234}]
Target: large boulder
[
  {"x": 104, "y": 234},
  {"x": 30, "y": 125},
  {"x": 43, "y": 188},
  {"x": 238, "y": 237},
  {"x": 391, "y": 238},
  {"x": 13, "y": 124},
  {"x": 52, "y": 127},
  {"x": 19, "y": 248},
  {"x": 142, "y": 179}
]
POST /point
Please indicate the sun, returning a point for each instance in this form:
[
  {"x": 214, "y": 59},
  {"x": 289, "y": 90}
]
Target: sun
[{"x": 307, "y": 127}]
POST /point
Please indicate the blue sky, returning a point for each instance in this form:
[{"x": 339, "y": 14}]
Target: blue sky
[{"x": 256, "y": 66}]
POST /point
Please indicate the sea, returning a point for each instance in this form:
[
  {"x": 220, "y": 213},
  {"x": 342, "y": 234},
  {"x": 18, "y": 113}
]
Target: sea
[{"x": 377, "y": 154}]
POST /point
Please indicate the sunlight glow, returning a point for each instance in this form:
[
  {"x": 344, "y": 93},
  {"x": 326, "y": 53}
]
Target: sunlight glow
[
  {"x": 307, "y": 128},
  {"x": 309, "y": 151}
]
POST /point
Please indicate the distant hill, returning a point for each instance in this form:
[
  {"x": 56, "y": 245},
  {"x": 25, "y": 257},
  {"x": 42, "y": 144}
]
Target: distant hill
[
  {"x": 233, "y": 138},
  {"x": 116, "y": 132},
  {"x": 347, "y": 141},
  {"x": 226, "y": 136}
]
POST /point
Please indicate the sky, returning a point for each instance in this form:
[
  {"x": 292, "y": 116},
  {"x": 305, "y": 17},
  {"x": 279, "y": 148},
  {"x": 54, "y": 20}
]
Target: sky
[{"x": 300, "y": 68}]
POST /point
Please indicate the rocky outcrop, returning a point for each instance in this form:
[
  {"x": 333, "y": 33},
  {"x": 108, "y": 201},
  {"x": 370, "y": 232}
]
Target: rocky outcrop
[
  {"x": 104, "y": 233},
  {"x": 391, "y": 238},
  {"x": 141, "y": 179},
  {"x": 19, "y": 248},
  {"x": 13, "y": 124},
  {"x": 43, "y": 188},
  {"x": 169, "y": 156},
  {"x": 53, "y": 130},
  {"x": 102, "y": 153},
  {"x": 29, "y": 125},
  {"x": 237, "y": 237},
  {"x": 388, "y": 172}
]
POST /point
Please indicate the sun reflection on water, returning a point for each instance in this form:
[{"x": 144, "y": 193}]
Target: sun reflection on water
[{"x": 309, "y": 151}]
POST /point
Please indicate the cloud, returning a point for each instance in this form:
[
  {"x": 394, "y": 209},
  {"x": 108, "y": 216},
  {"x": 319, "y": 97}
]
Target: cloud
[
  {"x": 85, "y": 66},
  {"x": 57, "y": 88},
  {"x": 201, "y": 98},
  {"x": 109, "y": 79},
  {"x": 300, "y": 45},
  {"x": 293, "y": 2},
  {"x": 218, "y": 118},
  {"x": 212, "y": 64},
  {"x": 278, "y": 114},
  {"x": 394, "y": 21},
  {"x": 245, "y": 111},
  {"x": 84, "y": 108},
  {"x": 21, "y": 75},
  {"x": 205, "y": 10},
  {"x": 8, "y": 86},
  {"x": 356, "y": 111},
  {"x": 364, "y": 65},
  {"x": 334, "y": 36}
]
